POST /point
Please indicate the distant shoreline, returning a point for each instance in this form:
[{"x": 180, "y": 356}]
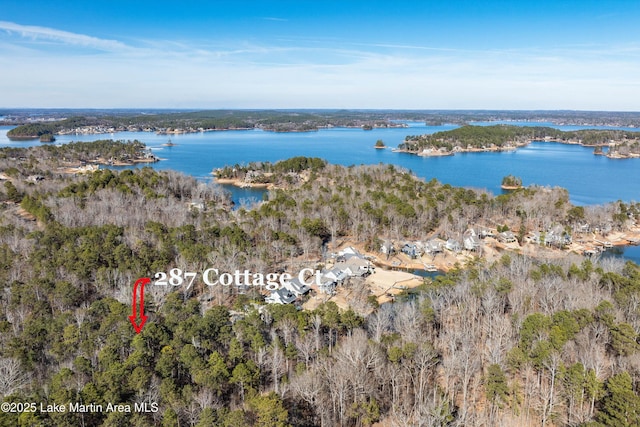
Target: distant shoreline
[{"x": 282, "y": 128}]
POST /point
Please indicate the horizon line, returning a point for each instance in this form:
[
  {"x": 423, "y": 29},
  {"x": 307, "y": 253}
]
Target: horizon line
[{"x": 320, "y": 109}]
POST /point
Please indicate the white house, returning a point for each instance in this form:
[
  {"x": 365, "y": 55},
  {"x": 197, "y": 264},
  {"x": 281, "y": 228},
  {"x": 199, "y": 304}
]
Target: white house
[
  {"x": 296, "y": 287},
  {"x": 470, "y": 240},
  {"x": 507, "y": 237},
  {"x": 387, "y": 248},
  {"x": 355, "y": 266},
  {"x": 349, "y": 250},
  {"x": 336, "y": 274},
  {"x": 453, "y": 245},
  {"x": 280, "y": 296},
  {"x": 433, "y": 247}
]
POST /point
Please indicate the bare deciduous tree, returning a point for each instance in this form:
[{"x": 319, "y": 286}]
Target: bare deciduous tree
[{"x": 12, "y": 377}]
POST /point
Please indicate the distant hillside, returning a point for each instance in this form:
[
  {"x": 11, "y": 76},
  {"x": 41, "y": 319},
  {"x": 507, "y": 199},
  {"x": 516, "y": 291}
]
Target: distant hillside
[{"x": 183, "y": 122}]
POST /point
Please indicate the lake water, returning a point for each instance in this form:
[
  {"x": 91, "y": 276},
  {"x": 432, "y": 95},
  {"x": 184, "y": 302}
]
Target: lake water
[
  {"x": 631, "y": 253},
  {"x": 590, "y": 179}
]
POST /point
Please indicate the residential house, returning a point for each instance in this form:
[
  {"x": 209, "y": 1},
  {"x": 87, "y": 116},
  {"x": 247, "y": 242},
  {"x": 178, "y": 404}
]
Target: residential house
[
  {"x": 387, "y": 248},
  {"x": 410, "y": 250},
  {"x": 355, "y": 267},
  {"x": 350, "y": 250},
  {"x": 470, "y": 240},
  {"x": 453, "y": 245},
  {"x": 433, "y": 247},
  {"x": 351, "y": 263},
  {"x": 296, "y": 287},
  {"x": 336, "y": 274},
  {"x": 583, "y": 228},
  {"x": 280, "y": 296},
  {"x": 507, "y": 237},
  {"x": 556, "y": 236},
  {"x": 349, "y": 253},
  {"x": 485, "y": 232}
]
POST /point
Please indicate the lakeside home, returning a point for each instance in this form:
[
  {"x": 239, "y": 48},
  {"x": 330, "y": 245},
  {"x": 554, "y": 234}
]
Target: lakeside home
[{"x": 350, "y": 263}]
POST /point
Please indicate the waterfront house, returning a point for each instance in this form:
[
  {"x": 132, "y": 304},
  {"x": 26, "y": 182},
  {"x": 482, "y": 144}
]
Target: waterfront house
[
  {"x": 583, "y": 228},
  {"x": 350, "y": 250},
  {"x": 349, "y": 253},
  {"x": 433, "y": 247},
  {"x": 453, "y": 245},
  {"x": 470, "y": 240},
  {"x": 355, "y": 267},
  {"x": 296, "y": 287},
  {"x": 336, "y": 274},
  {"x": 507, "y": 237},
  {"x": 410, "y": 250},
  {"x": 387, "y": 248},
  {"x": 557, "y": 237},
  {"x": 280, "y": 296},
  {"x": 551, "y": 239},
  {"x": 485, "y": 232},
  {"x": 330, "y": 279}
]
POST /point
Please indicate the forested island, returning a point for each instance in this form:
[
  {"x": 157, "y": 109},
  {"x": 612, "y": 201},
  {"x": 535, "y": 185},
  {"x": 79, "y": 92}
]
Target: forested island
[
  {"x": 621, "y": 144},
  {"x": 524, "y": 332},
  {"x": 511, "y": 182}
]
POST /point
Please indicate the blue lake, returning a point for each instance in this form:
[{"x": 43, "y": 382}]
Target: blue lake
[
  {"x": 590, "y": 179},
  {"x": 631, "y": 253}
]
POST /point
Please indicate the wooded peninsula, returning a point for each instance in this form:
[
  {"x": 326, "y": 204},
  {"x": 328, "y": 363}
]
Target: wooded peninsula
[
  {"x": 620, "y": 144},
  {"x": 524, "y": 332}
]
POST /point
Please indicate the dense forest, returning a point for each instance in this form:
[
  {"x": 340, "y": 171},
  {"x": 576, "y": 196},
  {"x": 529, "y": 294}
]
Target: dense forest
[
  {"x": 76, "y": 152},
  {"x": 517, "y": 341},
  {"x": 282, "y": 174},
  {"x": 508, "y": 135}
]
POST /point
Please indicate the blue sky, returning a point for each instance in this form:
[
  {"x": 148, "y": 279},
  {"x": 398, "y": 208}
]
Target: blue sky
[{"x": 581, "y": 55}]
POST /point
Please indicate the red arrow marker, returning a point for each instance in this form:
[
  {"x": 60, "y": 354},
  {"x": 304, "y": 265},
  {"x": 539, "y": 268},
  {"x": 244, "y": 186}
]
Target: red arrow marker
[{"x": 142, "y": 281}]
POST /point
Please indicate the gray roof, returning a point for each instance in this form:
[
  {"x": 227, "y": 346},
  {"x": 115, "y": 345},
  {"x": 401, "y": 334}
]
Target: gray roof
[
  {"x": 297, "y": 287},
  {"x": 282, "y": 296}
]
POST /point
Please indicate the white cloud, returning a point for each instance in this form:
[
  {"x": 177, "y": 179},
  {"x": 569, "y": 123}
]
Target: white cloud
[
  {"x": 65, "y": 37},
  {"x": 304, "y": 73}
]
